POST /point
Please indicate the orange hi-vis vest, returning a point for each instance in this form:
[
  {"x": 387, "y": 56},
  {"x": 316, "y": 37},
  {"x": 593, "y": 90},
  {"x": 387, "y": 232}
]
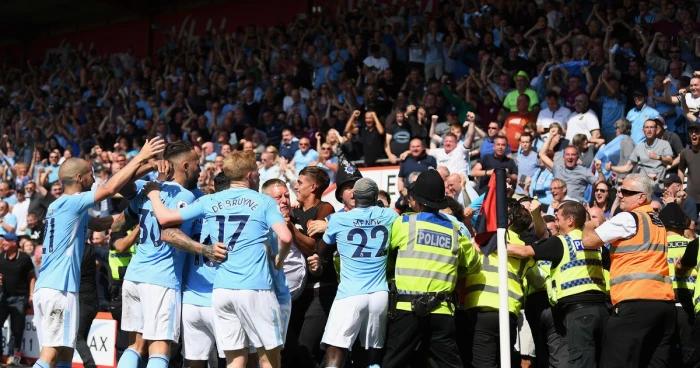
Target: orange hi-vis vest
[{"x": 638, "y": 268}]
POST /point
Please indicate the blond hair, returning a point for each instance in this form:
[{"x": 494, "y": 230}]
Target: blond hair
[{"x": 239, "y": 164}]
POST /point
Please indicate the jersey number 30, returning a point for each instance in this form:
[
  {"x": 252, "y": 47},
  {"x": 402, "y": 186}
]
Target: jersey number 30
[{"x": 374, "y": 233}]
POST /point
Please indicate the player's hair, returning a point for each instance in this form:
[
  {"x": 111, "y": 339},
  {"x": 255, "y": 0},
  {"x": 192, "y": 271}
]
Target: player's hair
[
  {"x": 176, "y": 149},
  {"x": 319, "y": 176},
  {"x": 239, "y": 164},
  {"x": 273, "y": 182},
  {"x": 575, "y": 210},
  {"x": 70, "y": 168},
  {"x": 221, "y": 182}
]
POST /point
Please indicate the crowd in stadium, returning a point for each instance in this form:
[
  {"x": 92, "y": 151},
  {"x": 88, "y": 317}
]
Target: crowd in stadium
[{"x": 591, "y": 108}]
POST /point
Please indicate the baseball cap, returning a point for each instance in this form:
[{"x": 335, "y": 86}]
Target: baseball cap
[
  {"x": 9, "y": 236},
  {"x": 671, "y": 178},
  {"x": 638, "y": 93},
  {"x": 521, "y": 73}
]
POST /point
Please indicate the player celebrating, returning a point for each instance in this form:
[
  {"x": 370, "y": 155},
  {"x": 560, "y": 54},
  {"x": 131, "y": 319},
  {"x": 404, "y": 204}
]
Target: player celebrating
[
  {"x": 151, "y": 290},
  {"x": 361, "y": 304},
  {"x": 67, "y": 220},
  {"x": 247, "y": 311},
  {"x": 198, "y": 338}
]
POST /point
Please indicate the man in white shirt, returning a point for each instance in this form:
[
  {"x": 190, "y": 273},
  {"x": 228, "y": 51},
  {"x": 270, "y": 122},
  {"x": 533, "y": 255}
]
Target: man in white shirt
[
  {"x": 294, "y": 265},
  {"x": 583, "y": 121},
  {"x": 451, "y": 155},
  {"x": 20, "y": 210},
  {"x": 554, "y": 113},
  {"x": 375, "y": 59},
  {"x": 690, "y": 101},
  {"x": 270, "y": 169}
]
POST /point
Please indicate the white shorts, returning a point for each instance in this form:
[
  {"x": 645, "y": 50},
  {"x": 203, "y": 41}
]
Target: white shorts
[
  {"x": 524, "y": 343},
  {"x": 286, "y": 314},
  {"x": 247, "y": 318},
  {"x": 56, "y": 317},
  {"x": 198, "y": 338},
  {"x": 362, "y": 316},
  {"x": 151, "y": 310}
]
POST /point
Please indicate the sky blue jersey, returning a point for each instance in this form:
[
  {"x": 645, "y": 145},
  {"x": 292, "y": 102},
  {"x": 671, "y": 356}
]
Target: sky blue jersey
[
  {"x": 64, "y": 241},
  {"x": 362, "y": 235},
  {"x": 199, "y": 271},
  {"x": 279, "y": 280},
  {"x": 155, "y": 262},
  {"x": 240, "y": 218}
]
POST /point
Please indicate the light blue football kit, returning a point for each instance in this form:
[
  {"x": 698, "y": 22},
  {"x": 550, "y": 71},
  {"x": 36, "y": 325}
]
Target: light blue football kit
[
  {"x": 241, "y": 219},
  {"x": 361, "y": 235},
  {"x": 151, "y": 299},
  {"x": 360, "y": 307},
  {"x": 56, "y": 291},
  {"x": 246, "y": 309},
  {"x": 64, "y": 241},
  {"x": 155, "y": 262}
]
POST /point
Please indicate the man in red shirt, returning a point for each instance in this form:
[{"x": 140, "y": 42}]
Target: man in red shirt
[{"x": 516, "y": 121}]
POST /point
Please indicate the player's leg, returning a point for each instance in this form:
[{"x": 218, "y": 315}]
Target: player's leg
[
  {"x": 197, "y": 335},
  {"x": 132, "y": 322},
  {"x": 230, "y": 336},
  {"x": 345, "y": 321},
  {"x": 236, "y": 358},
  {"x": 261, "y": 320},
  {"x": 161, "y": 322},
  {"x": 56, "y": 318},
  {"x": 374, "y": 334},
  {"x": 285, "y": 314},
  {"x": 269, "y": 358}
]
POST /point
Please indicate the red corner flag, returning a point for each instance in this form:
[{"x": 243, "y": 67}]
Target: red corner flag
[{"x": 486, "y": 225}]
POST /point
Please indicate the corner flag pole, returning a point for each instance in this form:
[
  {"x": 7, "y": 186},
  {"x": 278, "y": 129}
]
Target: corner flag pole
[{"x": 502, "y": 222}]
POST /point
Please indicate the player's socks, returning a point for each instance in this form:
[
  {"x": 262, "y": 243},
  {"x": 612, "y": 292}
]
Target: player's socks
[
  {"x": 130, "y": 359},
  {"x": 64, "y": 364},
  {"x": 41, "y": 364},
  {"x": 157, "y": 361}
]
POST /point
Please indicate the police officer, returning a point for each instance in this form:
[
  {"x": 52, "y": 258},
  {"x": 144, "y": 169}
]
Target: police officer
[
  {"x": 675, "y": 221},
  {"x": 640, "y": 330},
  {"x": 478, "y": 342},
  {"x": 690, "y": 262},
  {"x": 578, "y": 285},
  {"x": 431, "y": 254}
]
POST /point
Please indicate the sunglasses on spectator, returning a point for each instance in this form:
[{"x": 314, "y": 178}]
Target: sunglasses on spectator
[
  {"x": 494, "y": 128},
  {"x": 602, "y": 190},
  {"x": 627, "y": 192}
]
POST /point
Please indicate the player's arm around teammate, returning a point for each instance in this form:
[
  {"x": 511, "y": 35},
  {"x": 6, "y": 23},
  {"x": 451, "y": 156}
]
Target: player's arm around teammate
[{"x": 167, "y": 217}]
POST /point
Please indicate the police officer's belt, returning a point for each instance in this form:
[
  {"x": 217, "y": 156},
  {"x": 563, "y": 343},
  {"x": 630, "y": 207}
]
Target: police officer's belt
[
  {"x": 442, "y": 296},
  {"x": 423, "y": 304}
]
